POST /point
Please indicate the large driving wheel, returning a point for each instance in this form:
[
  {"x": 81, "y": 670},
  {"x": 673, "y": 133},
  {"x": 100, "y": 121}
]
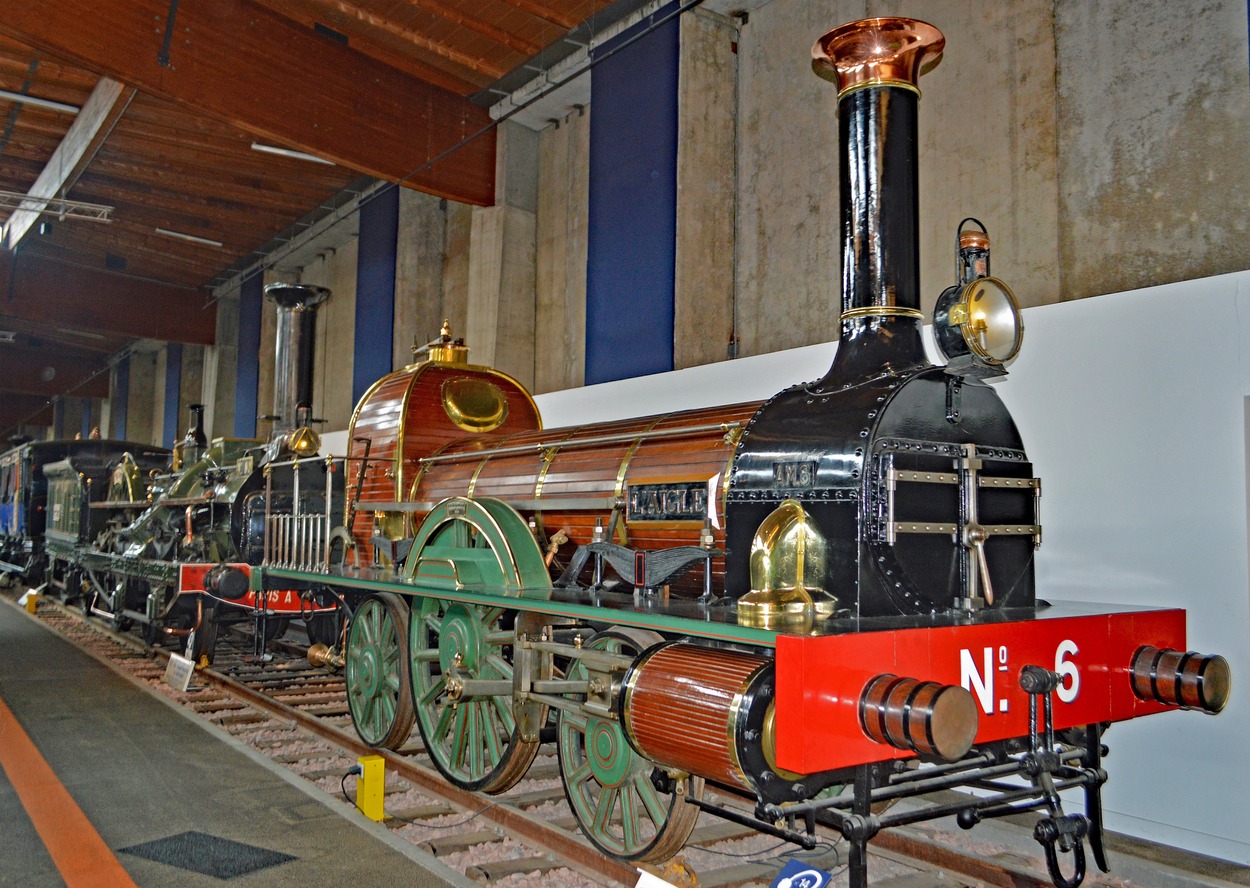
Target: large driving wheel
[
  {"x": 475, "y": 740},
  {"x": 376, "y": 671},
  {"x": 610, "y": 787}
]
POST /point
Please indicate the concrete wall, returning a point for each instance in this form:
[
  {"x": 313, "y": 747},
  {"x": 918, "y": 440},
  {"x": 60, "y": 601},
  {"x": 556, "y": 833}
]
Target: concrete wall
[
  {"x": 221, "y": 370},
  {"x": 500, "y": 305},
  {"x": 562, "y": 209},
  {"x": 1103, "y": 145},
  {"x": 987, "y": 141},
  {"x": 419, "y": 304},
  {"x": 141, "y": 424},
  {"x": 336, "y": 329},
  {"x": 1154, "y": 112},
  {"x": 703, "y": 321}
]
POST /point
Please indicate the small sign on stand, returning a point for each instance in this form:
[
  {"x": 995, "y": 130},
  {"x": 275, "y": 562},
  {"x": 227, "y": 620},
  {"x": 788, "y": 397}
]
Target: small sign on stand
[{"x": 178, "y": 672}]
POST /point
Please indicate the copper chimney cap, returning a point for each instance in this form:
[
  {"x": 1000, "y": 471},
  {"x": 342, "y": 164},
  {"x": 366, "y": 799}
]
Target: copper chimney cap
[{"x": 878, "y": 52}]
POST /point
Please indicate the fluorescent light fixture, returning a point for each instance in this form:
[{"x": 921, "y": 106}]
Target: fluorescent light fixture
[
  {"x": 34, "y": 100},
  {"x": 68, "y": 332},
  {"x": 287, "y": 152},
  {"x": 189, "y": 237}
]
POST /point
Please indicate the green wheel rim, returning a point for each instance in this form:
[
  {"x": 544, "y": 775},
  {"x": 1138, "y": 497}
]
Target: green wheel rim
[
  {"x": 609, "y": 786},
  {"x": 474, "y": 741},
  {"x": 375, "y": 671}
]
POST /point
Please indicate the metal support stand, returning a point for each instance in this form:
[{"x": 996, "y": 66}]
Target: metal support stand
[{"x": 857, "y": 830}]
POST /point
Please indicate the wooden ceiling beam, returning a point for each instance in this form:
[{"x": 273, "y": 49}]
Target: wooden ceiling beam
[
  {"x": 86, "y": 134},
  {"x": 545, "y": 12},
  {"x": 416, "y": 38},
  {"x": 240, "y": 184},
  {"x": 431, "y": 68},
  {"x": 282, "y": 83},
  {"x": 35, "y": 371},
  {"x": 17, "y": 410},
  {"x": 473, "y": 23},
  {"x": 96, "y": 300}
]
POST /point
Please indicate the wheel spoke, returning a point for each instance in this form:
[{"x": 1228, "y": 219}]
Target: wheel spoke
[
  {"x": 604, "y": 807},
  {"x": 649, "y": 796},
  {"x": 432, "y": 693},
  {"x": 631, "y": 828},
  {"x": 579, "y": 775}
]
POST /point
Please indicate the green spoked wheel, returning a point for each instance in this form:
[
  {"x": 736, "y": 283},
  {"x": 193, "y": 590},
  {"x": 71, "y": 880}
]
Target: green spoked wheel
[
  {"x": 610, "y": 787},
  {"x": 376, "y": 671},
  {"x": 474, "y": 741},
  {"x": 474, "y": 737}
]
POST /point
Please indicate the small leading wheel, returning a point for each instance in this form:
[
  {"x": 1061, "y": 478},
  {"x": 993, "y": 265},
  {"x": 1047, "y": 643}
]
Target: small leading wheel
[
  {"x": 610, "y": 787},
  {"x": 376, "y": 671}
]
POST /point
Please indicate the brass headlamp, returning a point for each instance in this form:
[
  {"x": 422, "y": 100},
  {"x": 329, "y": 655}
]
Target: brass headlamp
[{"x": 977, "y": 323}]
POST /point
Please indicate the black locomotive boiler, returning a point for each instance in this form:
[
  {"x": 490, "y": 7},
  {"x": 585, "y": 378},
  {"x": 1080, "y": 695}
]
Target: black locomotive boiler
[{"x": 825, "y": 602}]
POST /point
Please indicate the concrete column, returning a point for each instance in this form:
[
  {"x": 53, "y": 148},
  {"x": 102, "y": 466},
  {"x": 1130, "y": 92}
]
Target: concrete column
[
  {"x": 221, "y": 371},
  {"x": 142, "y": 397},
  {"x": 500, "y": 323},
  {"x": 336, "y": 331},
  {"x": 419, "y": 299},
  {"x": 560, "y": 226},
  {"x": 703, "y": 321},
  {"x": 458, "y": 235},
  {"x": 192, "y": 388}
]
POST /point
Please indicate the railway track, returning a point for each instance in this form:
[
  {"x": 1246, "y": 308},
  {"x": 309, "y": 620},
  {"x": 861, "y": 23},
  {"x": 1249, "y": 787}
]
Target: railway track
[{"x": 297, "y": 714}]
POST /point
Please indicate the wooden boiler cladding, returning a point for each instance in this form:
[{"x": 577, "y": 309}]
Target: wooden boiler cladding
[
  {"x": 647, "y": 478},
  {"x": 682, "y": 706},
  {"x": 650, "y": 478},
  {"x": 413, "y": 413}
]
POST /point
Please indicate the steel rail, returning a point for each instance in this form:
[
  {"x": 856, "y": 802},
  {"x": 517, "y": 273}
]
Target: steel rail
[{"x": 542, "y": 836}]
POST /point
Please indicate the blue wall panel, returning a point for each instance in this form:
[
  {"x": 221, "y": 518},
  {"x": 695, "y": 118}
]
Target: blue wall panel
[
  {"x": 631, "y": 250},
  {"x": 375, "y": 290},
  {"x": 119, "y": 400},
  {"x": 247, "y": 378},
  {"x": 173, "y": 388}
]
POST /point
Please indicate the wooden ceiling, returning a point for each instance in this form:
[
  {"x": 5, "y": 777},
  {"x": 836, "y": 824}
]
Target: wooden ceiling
[{"x": 172, "y": 98}]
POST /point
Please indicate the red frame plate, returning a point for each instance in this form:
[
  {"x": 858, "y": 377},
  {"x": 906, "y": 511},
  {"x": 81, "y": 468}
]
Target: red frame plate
[
  {"x": 820, "y": 679},
  {"x": 286, "y": 602}
]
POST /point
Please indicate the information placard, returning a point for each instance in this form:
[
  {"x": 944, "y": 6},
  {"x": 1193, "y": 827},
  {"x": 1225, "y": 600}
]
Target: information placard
[{"x": 178, "y": 672}]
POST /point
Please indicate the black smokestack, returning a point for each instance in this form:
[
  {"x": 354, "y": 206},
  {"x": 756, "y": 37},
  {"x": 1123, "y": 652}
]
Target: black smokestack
[{"x": 876, "y": 64}]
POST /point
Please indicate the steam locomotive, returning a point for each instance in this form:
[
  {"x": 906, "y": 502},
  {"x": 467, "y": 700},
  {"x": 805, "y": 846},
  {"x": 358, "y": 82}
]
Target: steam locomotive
[
  {"x": 825, "y": 601},
  {"x": 165, "y": 541}
]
